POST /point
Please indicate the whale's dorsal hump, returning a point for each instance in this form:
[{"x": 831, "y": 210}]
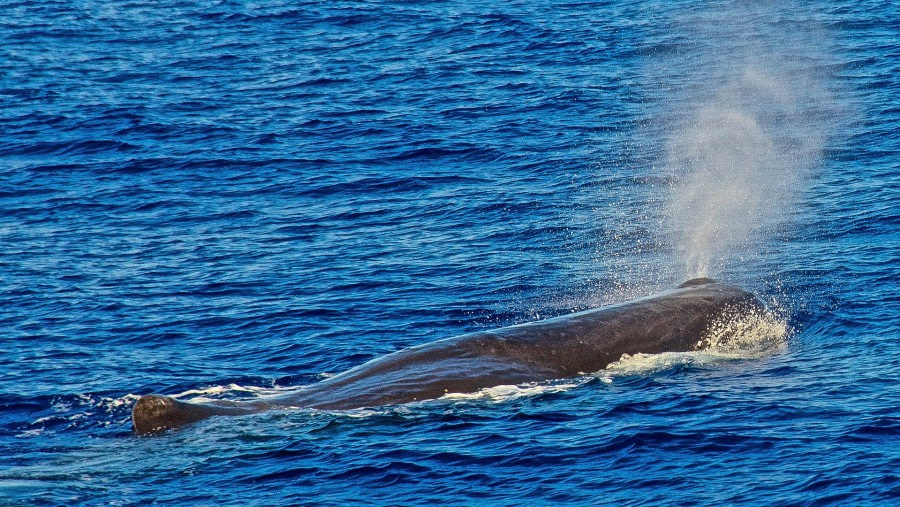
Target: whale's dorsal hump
[{"x": 694, "y": 282}]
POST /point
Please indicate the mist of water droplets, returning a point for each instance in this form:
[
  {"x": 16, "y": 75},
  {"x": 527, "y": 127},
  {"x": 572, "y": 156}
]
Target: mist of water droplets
[{"x": 753, "y": 129}]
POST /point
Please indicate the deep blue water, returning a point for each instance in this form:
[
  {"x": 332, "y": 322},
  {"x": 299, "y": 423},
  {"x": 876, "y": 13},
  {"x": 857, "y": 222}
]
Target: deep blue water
[{"x": 230, "y": 197}]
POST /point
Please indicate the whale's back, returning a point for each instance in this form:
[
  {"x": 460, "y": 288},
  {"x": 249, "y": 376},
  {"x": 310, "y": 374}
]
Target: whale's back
[{"x": 583, "y": 342}]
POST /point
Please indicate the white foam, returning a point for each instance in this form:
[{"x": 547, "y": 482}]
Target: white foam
[
  {"x": 503, "y": 393},
  {"x": 214, "y": 393},
  {"x": 748, "y": 334}
]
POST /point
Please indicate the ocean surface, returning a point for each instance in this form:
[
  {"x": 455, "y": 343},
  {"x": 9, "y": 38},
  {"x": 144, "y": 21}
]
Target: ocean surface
[{"x": 226, "y": 200}]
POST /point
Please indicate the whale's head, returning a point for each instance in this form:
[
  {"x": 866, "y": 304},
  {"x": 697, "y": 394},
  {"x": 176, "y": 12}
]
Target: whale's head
[{"x": 739, "y": 323}]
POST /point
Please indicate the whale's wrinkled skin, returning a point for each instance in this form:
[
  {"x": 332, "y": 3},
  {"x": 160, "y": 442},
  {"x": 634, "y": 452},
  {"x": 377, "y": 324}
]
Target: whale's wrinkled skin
[{"x": 672, "y": 321}]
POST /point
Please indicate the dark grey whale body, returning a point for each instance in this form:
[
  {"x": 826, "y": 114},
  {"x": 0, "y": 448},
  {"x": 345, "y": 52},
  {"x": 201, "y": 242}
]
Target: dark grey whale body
[{"x": 676, "y": 320}]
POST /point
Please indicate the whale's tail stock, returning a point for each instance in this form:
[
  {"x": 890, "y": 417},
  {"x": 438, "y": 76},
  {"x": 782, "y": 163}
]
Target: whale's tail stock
[{"x": 153, "y": 412}]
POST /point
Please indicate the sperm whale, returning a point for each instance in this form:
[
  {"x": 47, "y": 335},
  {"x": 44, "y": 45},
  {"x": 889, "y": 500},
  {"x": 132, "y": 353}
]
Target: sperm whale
[{"x": 676, "y": 320}]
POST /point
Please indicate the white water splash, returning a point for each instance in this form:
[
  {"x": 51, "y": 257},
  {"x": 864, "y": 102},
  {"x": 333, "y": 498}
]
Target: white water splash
[
  {"x": 732, "y": 336},
  {"x": 745, "y": 335}
]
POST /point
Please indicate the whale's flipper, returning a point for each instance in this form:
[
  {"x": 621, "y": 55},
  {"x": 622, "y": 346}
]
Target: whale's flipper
[{"x": 154, "y": 413}]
